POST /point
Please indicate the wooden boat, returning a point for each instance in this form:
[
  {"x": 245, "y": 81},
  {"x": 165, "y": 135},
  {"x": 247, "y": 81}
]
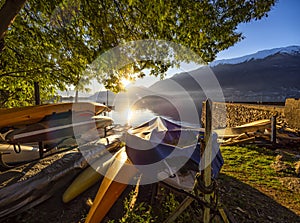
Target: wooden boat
[
  {"x": 110, "y": 188},
  {"x": 12, "y": 117},
  {"x": 161, "y": 140},
  {"x": 260, "y": 125},
  {"x": 58, "y": 126}
]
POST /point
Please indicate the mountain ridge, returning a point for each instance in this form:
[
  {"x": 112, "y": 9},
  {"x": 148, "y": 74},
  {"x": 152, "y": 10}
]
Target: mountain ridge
[
  {"x": 272, "y": 78},
  {"x": 258, "y": 55}
]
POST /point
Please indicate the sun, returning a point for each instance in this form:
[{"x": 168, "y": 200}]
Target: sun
[{"x": 125, "y": 82}]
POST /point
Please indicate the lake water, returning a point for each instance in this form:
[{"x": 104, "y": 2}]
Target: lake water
[
  {"x": 131, "y": 117},
  {"x": 135, "y": 117}
]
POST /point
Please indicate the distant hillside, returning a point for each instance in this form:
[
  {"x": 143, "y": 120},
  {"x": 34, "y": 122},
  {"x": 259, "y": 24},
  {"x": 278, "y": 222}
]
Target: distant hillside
[{"x": 270, "y": 78}]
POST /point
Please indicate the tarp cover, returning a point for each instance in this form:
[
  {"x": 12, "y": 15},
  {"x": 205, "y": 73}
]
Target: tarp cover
[{"x": 160, "y": 139}]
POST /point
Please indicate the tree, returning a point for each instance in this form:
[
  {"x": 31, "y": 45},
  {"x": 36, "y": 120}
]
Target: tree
[{"x": 55, "y": 42}]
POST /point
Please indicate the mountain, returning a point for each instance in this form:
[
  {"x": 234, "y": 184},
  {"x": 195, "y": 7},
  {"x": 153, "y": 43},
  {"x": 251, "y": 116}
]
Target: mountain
[
  {"x": 269, "y": 75},
  {"x": 292, "y": 50}
]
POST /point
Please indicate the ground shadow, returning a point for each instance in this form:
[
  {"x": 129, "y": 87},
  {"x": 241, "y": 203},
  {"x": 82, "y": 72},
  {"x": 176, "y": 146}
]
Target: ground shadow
[{"x": 247, "y": 204}]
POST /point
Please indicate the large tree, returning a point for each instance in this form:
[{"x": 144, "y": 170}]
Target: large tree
[{"x": 54, "y": 42}]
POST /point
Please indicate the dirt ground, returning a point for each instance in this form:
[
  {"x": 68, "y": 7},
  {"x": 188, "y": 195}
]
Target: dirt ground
[{"x": 243, "y": 202}]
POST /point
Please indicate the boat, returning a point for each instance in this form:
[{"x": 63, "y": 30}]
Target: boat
[
  {"x": 255, "y": 126},
  {"x": 58, "y": 126},
  {"x": 164, "y": 144},
  {"x": 13, "y": 117},
  {"x": 88, "y": 177},
  {"x": 116, "y": 179},
  {"x": 11, "y": 154}
]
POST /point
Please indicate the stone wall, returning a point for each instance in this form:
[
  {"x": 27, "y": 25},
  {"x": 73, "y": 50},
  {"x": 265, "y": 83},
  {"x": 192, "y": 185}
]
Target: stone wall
[
  {"x": 234, "y": 114},
  {"x": 292, "y": 112}
]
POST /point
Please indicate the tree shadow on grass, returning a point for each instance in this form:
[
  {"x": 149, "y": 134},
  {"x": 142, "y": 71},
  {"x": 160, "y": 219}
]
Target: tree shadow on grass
[{"x": 247, "y": 204}]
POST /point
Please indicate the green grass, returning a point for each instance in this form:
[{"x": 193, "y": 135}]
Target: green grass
[{"x": 252, "y": 165}]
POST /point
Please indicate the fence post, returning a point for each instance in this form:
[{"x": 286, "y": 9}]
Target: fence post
[
  {"x": 207, "y": 156},
  {"x": 273, "y": 129}
]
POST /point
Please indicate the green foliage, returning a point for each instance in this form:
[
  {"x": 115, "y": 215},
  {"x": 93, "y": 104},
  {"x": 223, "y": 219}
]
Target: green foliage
[
  {"x": 169, "y": 202},
  {"x": 56, "y": 42},
  {"x": 140, "y": 212}
]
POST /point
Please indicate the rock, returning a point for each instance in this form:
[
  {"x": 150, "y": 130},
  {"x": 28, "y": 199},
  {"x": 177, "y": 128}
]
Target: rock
[
  {"x": 279, "y": 165},
  {"x": 279, "y": 158}
]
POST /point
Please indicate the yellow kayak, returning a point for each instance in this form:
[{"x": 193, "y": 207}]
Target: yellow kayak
[{"x": 110, "y": 189}]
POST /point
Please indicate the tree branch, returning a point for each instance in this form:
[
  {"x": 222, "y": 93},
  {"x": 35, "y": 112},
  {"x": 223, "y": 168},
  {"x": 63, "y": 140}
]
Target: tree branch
[{"x": 8, "y": 13}]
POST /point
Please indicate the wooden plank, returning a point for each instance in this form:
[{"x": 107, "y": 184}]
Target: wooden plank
[{"x": 186, "y": 202}]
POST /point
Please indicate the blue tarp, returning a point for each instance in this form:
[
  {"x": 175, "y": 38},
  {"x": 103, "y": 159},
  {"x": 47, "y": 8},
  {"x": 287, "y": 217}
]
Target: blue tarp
[{"x": 162, "y": 139}]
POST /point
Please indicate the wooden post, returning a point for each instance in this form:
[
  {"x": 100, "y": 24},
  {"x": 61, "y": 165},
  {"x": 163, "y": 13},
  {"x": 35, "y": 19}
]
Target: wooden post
[
  {"x": 273, "y": 129},
  {"x": 41, "y": 149},
  {"x": 207, "y": 156},
  {"x": 37, "y": 93}
]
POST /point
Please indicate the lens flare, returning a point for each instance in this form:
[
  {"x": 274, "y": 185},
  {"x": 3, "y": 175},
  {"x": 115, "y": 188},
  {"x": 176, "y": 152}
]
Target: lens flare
[{"x": 125, "y": 82}]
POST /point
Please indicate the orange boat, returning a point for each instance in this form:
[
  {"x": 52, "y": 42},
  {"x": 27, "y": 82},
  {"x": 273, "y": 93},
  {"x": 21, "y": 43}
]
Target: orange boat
[{"x": 13, "y": 117}]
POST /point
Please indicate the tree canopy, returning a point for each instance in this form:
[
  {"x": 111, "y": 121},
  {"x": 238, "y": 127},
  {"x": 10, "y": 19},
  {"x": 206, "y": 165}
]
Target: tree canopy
[{"x": 55, "y": 42}]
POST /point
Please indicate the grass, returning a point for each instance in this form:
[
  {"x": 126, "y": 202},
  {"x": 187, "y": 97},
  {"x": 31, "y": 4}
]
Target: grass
[{"x": 251, "y": 165}]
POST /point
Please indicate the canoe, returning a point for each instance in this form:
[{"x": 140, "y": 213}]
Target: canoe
[
  {"x": 113, "y": 184},
  {"x": 27, "y": 153},
  {"x": 88, "y": 178},
  {"x": 11, "y": 117},
  {"x": 167, "y": 144},
  {"x": 58, "y": 126},
  {"x": 260, "y": 125}
]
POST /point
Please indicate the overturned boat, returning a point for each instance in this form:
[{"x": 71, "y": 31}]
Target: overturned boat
[{"x": 161, "y": 144}]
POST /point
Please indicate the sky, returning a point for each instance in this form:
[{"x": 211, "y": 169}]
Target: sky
[{"x": 280, "y": 29}]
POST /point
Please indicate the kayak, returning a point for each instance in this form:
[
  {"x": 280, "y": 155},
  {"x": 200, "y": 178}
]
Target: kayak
[
  {"x": 58, "y": 126},
  {"x": 114, "y": 183},
  {"x": 88, "y": 177},
  {"x": 18, "y": 154},
  {"x": 12, "y": 117}
]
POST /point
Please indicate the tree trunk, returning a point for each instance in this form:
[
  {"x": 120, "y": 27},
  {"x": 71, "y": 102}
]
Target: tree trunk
[
  {"x": 76, "y": 96},
  {"x": 8, "y": 13}
]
